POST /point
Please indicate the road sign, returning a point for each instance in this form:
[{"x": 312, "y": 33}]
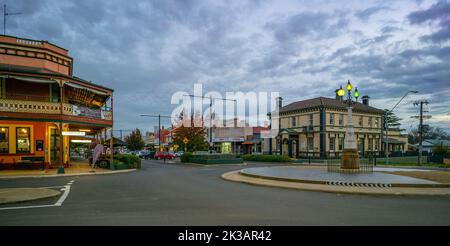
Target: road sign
[{"x": 185, "y": 140}]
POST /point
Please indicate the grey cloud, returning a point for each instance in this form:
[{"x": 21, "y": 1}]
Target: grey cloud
[
  {"x": 367, "y": 13},
  {"x": 439, "y": 12}
]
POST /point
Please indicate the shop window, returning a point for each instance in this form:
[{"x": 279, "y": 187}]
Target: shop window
[
  {"x": 4, "y": 140},
  {"x": 23, "y": 142}
]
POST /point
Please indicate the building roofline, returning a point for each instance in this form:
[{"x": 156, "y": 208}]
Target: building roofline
[{"x": 35, "y": 40}]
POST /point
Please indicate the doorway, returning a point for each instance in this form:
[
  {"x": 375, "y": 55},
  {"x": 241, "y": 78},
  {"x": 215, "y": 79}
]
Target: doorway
[{"x": 54, "y": 146}]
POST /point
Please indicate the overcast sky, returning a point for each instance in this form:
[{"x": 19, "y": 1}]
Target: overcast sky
[{"x": 148, "y": 50}]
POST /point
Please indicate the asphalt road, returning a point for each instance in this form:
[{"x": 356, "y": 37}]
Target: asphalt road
[{"x": 177, "y": 194}]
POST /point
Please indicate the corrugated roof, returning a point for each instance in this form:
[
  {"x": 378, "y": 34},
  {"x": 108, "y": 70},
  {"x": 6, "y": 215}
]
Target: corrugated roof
[{"x": 328, "y": 103}]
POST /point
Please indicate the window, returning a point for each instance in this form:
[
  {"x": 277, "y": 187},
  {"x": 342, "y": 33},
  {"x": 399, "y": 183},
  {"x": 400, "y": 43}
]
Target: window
[
  {"x": 293, "y": 121},
  {"x": 332, "y": 119},
  {"x": 370, "y": 147},
  {"x": 360, "y": 121},
  {"x": 23, "y": 142},
  {"x": 4, "y": 140},
  {"x": 377, "y": 146},
  {"x": 332, "y": 141},
  {"x": 310, "y": 143},
  {"x": 311, "y": 119},
  {"x": 341, "y": 119},
  {"x": 377, "y": 122},
  {"x": 341, "y": 143},
  {"x": 370, "y": 122}
]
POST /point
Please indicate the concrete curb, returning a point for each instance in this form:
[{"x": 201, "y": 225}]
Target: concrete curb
[
  {"x": 16, "y": 195},
  {"x": 66, "y": 174},
  {"x": 235, "y": 176},
  {"x": 442, "y": 185}
]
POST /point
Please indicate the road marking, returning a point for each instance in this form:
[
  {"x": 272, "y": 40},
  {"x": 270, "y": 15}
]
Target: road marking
[
  {"x": 64, "y": 196},
  {"x": 58, "y": 203}
]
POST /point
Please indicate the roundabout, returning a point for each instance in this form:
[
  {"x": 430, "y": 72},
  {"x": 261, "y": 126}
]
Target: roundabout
[{"x": 315, "y": 178}]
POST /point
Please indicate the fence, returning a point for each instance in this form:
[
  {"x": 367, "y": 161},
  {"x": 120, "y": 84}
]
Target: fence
[{"x": 365, "y": 166}]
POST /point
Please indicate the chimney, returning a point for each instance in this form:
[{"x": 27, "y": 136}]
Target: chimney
[
  {"x": 365, "y": 100},
  {"x": 279, "y": 102}
]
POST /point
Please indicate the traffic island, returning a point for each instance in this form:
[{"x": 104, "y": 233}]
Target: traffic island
[
  {"x": 15, "y": 195},
  {"x": 314, "y": 179}
]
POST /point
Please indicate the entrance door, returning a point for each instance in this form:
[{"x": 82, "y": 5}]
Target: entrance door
[{"x": 54, "y": 146}]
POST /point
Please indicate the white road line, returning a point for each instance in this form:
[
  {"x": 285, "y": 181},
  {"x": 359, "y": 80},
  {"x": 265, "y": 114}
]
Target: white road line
[
  {"x": 38, "y": 206},
  {"x": 57, "y": 204},
  {"x": 64, "y": 196}
]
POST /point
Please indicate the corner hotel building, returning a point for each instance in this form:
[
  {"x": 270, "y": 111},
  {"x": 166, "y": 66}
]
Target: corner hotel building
[{"x": 43, "y": 107}]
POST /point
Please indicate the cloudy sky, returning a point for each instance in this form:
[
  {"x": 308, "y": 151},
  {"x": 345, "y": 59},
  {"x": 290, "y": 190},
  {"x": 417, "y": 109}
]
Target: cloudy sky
[{"x": 148, "y": 50}]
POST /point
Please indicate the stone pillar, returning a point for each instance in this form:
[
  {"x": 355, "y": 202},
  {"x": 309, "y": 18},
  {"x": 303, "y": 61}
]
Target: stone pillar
[{"x": 350, "y": 157}]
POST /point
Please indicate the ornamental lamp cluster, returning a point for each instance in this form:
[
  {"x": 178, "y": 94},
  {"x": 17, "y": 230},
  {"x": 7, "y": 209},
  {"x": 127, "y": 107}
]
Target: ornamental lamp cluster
[{"x": 341, "y": 92}]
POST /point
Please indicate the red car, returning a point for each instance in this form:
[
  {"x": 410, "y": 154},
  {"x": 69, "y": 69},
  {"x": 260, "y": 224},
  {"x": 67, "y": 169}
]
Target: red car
[{"x": 164, "y": 155}]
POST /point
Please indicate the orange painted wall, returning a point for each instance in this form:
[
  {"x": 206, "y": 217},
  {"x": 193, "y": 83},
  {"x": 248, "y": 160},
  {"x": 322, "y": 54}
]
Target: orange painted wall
[
  {"x": 38, "y": 132},
  {"x": 33, "y": 62}
]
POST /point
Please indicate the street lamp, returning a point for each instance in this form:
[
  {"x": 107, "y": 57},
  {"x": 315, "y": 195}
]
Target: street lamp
[
  {"x": 350, "y": 157},
  {"x": 386, "y": 126}
]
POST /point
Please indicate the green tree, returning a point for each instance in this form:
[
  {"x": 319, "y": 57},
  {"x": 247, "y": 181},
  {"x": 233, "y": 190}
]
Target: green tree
[
  {"x": 134, "y": 140},
  {"x": 392, "y": 121}
]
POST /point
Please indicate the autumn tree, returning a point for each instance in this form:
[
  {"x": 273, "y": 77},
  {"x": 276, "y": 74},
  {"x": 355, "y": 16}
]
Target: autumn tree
[{"x": 193, "y": 130}]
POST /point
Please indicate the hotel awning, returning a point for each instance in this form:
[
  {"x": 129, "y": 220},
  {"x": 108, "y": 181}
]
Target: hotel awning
[{"x": 29, "y": 79}]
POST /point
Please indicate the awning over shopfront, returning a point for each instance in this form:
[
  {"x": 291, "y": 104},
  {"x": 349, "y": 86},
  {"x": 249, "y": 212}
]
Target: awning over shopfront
[{"x": 29, "y": 79}]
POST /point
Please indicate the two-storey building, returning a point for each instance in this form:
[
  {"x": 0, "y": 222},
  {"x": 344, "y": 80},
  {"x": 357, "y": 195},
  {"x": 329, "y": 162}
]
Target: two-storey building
[
  {"x": 43, "y": 107},
  {"x": 316, "y": 127}
]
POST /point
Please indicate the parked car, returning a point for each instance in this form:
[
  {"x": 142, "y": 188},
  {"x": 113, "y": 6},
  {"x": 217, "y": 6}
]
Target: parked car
[
  {"x": 179, "y": 153},
  {"x": 164, "y": 155},
  {"x": 149, "y": 155}
]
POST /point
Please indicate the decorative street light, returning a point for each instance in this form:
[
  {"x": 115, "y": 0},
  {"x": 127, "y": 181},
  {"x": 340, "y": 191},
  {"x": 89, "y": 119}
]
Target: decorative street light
[{"x": 350, "y": 157}]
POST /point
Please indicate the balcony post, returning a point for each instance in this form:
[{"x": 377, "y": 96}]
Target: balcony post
[
  {"x": 111, "y": 134},
  {"x": 61, "y": 137}
]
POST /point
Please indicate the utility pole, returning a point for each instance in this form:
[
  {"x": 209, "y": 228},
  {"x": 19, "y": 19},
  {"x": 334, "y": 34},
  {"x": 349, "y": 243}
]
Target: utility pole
[
  {"x": 5, "y": 13},
  {"x": 421, "y": 116},
  {"x": 159, "y": 116}
]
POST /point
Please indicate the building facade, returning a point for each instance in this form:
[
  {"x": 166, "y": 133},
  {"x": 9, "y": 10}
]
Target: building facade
[
  {"x": 316, "y": 127},
  {"x": 44, "y": 108}
]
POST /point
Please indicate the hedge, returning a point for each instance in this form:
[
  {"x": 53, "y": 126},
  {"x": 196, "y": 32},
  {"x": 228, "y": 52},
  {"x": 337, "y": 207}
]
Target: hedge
[
  {"x": 266, "y": 158},
  {"x": 186, "y": 156},
  {"x": 132, "y": 161}
]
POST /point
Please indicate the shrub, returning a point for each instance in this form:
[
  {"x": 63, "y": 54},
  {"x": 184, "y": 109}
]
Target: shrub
[
  {"x": 186, "y": 156},
  {"x": 267, "y": 158},
  {"x": 132, "y": 161}
]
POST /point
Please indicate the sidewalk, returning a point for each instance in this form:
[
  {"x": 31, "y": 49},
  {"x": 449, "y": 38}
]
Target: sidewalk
[
  {"x": 13, "y": 195},
  {"x": 74, "y": 170}
]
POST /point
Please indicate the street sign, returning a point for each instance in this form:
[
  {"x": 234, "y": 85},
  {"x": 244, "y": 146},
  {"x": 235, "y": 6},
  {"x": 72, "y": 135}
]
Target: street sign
[{"x": 185, "y": 140}]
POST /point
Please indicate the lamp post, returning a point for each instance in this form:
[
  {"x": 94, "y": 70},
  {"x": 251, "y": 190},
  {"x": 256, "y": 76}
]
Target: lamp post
[
  {"x": 386, "y": 126},
  {"x": 350, "y": 157}
]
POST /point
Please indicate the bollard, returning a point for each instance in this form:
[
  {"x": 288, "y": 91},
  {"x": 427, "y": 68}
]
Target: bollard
[{"x": 61, "y": 170}]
